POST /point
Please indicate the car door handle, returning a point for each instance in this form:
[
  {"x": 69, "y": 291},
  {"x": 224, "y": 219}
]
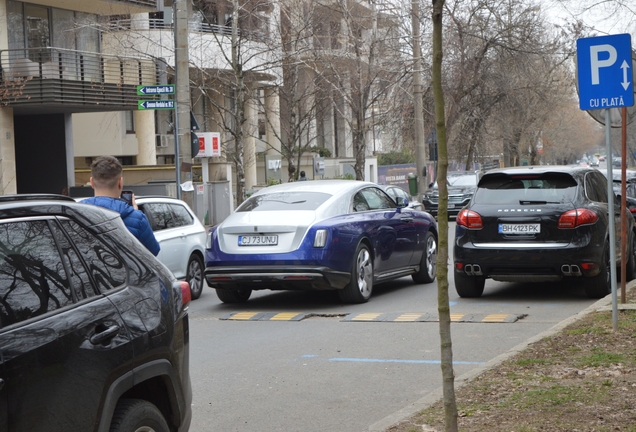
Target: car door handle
[
  {"x": 406, "y": 219},
  {"x": 104, "y": 335}
]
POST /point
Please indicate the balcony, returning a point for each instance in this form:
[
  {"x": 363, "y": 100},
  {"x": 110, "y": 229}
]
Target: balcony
[{"x": 55, "y": 80}]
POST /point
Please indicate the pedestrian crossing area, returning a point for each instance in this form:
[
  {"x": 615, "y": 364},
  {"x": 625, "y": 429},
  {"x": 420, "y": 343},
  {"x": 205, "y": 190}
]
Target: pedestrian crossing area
[{"x": 391, "y": 317}]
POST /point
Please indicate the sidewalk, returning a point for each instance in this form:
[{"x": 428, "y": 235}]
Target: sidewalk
[{"x": 602, "y": 305}]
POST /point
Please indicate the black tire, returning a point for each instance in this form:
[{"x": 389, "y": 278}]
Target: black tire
[
  {"x": 194, "y": 276},
  {"x": 428, "y": 263},
  {"x": 132, "y": 415},
  {"x": 469, "y": 286},
  {"x": 600, "y": 285},
  {"x": 360, "y": 288},
  {"x": 238, "y": 295}
]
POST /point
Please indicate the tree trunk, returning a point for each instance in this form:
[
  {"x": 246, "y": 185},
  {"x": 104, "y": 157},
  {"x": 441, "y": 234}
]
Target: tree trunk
[{"x": 443, "y": 306}]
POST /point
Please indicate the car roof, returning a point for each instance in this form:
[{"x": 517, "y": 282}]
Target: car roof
[
  {"x": 540, "y": 169},
  {"x": 332, "y": 187},
  {"x": 21, "y": 205}
]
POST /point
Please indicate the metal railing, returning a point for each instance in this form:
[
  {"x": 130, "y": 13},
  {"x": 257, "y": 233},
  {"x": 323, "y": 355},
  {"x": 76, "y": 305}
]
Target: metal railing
[
  {"x": 159, "y": 24},
  {"x": 70, "y": 80},
  {"x": 64, "y": 64}
]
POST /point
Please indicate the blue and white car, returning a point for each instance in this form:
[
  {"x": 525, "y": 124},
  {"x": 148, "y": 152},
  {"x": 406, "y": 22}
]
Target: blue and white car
[{"x": 325, "y": 235}]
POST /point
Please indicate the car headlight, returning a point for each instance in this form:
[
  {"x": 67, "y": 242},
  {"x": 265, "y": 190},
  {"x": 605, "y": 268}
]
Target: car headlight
[{"x": 321, "y": 238}]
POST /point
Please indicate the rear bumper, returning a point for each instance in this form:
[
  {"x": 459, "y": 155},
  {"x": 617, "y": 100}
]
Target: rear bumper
[
  {"x": 276, "y": 277},
  {"x": 527, "y": 264}
]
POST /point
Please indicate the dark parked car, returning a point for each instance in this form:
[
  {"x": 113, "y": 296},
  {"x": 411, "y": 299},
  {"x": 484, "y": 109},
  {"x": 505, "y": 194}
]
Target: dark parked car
[
  {"x": 537, "y": 224},
  {"x": 461, "y": 186},
  {"x": 630, "y": 186},
  {"x": 325, "y": 235},
  {"x": 396, "y": 191},
  {"x": 94, "y": 330}
]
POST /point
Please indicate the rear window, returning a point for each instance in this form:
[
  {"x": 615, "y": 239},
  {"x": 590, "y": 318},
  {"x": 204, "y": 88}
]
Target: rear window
[
  {"x": 524, "y": 189},
  {"x": 284, "y": 201},
  {"x": 462, "y": 180}
]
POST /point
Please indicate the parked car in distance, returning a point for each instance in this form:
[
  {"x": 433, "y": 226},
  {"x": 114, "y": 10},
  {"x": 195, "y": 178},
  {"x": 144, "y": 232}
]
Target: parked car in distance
[
  {"x": 594, "y": 162},
  {"x": 538, "y": 224},
  {"x": 396, "y": 191},
  {"x": 94, "y": 331},
  {"x": 461, "y": 186},
  {"x": 339, "y": 235},
  {"x": 181, "y": 236},
  {"x": 630, "y": 186}
]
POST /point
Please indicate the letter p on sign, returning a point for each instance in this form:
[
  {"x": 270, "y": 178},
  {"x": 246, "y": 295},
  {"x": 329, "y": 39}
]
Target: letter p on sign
[{"x": 596, "y": 63}]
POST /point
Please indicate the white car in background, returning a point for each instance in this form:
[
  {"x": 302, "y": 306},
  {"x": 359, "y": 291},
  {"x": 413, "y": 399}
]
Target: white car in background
[{"x": 181, "y": 236}]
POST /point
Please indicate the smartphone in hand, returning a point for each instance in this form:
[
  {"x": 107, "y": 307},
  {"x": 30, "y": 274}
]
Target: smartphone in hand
[{"x": 127, "y": 195}]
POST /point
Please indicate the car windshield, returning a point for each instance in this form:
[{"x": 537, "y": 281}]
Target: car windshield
[
  {"x": 284, "y": 201},
  {"x": 549, "y": 188},
  {"x": 462, "y": 180}
]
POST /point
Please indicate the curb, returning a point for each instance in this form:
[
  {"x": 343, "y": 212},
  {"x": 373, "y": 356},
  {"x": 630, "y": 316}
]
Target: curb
[{"x": 437, "y": 394}]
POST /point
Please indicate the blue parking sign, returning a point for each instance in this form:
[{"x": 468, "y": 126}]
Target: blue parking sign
[{"x": 604, "y": 69}]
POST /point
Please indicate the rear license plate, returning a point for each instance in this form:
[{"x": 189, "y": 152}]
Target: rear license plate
[
  {"x": 519, "y": 228},
  {"x": 258, "y": 240}
]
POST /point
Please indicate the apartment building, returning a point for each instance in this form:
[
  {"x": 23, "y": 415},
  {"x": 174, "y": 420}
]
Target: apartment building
[{"x": 52, "y": 67}]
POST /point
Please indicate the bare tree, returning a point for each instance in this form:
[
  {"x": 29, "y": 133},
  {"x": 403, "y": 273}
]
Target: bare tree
[{"x": 443, "y": 305}]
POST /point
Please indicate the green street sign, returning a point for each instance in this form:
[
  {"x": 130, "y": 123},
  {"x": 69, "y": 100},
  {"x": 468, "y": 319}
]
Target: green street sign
[
  {"x": 166, "y": 89},
  {"x": 155, "y": 104}
]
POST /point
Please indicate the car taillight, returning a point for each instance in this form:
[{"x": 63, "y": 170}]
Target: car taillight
[
  {"x": 186, "y": 294},
  {"x": 577, "y": 217},
  {"x": 469, "y": 219},
  {"x": 632, "y": 210}
]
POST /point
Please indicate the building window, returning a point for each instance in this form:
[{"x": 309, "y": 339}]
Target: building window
[{"x": 130, "y": 122}]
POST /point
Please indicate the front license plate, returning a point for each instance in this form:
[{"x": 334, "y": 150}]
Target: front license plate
[
  {"x": 451, "y": 206},
  {"x": 519, "y": 228},
  {"x": 258, "y": 240}
]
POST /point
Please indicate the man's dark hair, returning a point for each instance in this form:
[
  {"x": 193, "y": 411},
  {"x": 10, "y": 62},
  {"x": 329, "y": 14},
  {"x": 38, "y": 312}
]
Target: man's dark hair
[
  {"x": 106, "y": 171},
  {"x": 302, "y": 173}
]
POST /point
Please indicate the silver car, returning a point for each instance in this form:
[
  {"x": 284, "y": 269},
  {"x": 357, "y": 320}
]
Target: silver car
[{"x": 181, "y": 235}]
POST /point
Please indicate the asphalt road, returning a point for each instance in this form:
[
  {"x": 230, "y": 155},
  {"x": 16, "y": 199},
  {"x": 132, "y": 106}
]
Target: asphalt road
[{"x": 347, "y": 367}]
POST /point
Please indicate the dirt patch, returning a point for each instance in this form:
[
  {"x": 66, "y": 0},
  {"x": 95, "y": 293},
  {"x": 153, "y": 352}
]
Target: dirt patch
[{"x": 580, "y": 379}]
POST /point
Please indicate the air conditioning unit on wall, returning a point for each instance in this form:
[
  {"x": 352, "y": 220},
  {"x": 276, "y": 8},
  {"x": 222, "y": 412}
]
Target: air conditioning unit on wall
[{"x": 165, "y": 141}]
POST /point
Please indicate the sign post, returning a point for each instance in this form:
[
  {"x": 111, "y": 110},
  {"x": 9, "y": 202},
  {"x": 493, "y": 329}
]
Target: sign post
[{"x": 605, "y": 81}]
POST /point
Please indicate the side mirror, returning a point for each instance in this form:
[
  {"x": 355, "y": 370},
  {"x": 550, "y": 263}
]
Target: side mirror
[{"x": 401, "y": 202}]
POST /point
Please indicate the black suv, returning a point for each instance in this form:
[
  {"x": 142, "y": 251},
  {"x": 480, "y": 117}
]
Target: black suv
[
  {"x": 94, "y": 330},
  {"x": 539, "y": 223},
  {"x": 460, "y": 185}
]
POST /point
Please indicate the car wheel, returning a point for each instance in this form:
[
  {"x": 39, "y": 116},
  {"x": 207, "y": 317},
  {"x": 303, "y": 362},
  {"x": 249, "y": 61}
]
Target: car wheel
[
  {"x": 600, "y": 285},
  {"x": 359, "y": 289},
  {"x": 136, "y": 415},
  {"x": 469, "y": 286},
  {"x": 238, "y": 295},
  {"x": 428, "y": 263},
  {"x": 194, "y": 276}
]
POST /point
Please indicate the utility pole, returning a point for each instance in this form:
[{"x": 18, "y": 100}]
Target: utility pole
[
  {"x": 183, "y": 157},
  {"x": 420, "y": 147}
]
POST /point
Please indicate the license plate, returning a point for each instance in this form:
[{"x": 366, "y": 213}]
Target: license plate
[
  {"x": 258, "y": 240},
  {"x": 519, "y": 228},
  {"x": 451, "y": 206}
]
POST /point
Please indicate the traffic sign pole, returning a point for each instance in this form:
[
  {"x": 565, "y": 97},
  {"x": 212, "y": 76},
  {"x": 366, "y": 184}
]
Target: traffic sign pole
[{"x": 605, "y": 81}]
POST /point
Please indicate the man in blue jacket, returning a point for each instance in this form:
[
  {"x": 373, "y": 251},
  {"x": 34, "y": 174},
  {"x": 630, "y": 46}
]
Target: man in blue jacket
[{"x": 107, "y": 181}]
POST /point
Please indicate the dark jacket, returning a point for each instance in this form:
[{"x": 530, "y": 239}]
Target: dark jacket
[{"x": 135, "y": 220}]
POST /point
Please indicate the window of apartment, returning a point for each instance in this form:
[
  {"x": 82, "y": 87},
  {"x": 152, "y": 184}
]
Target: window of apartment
[
  {"x": 34, "y": 26},
  {"x": 130, "y": 122}
]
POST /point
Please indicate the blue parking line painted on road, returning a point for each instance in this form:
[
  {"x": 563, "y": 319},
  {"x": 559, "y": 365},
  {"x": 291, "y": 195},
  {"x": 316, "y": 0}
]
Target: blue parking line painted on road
[{"x": 366, "y": 360}]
